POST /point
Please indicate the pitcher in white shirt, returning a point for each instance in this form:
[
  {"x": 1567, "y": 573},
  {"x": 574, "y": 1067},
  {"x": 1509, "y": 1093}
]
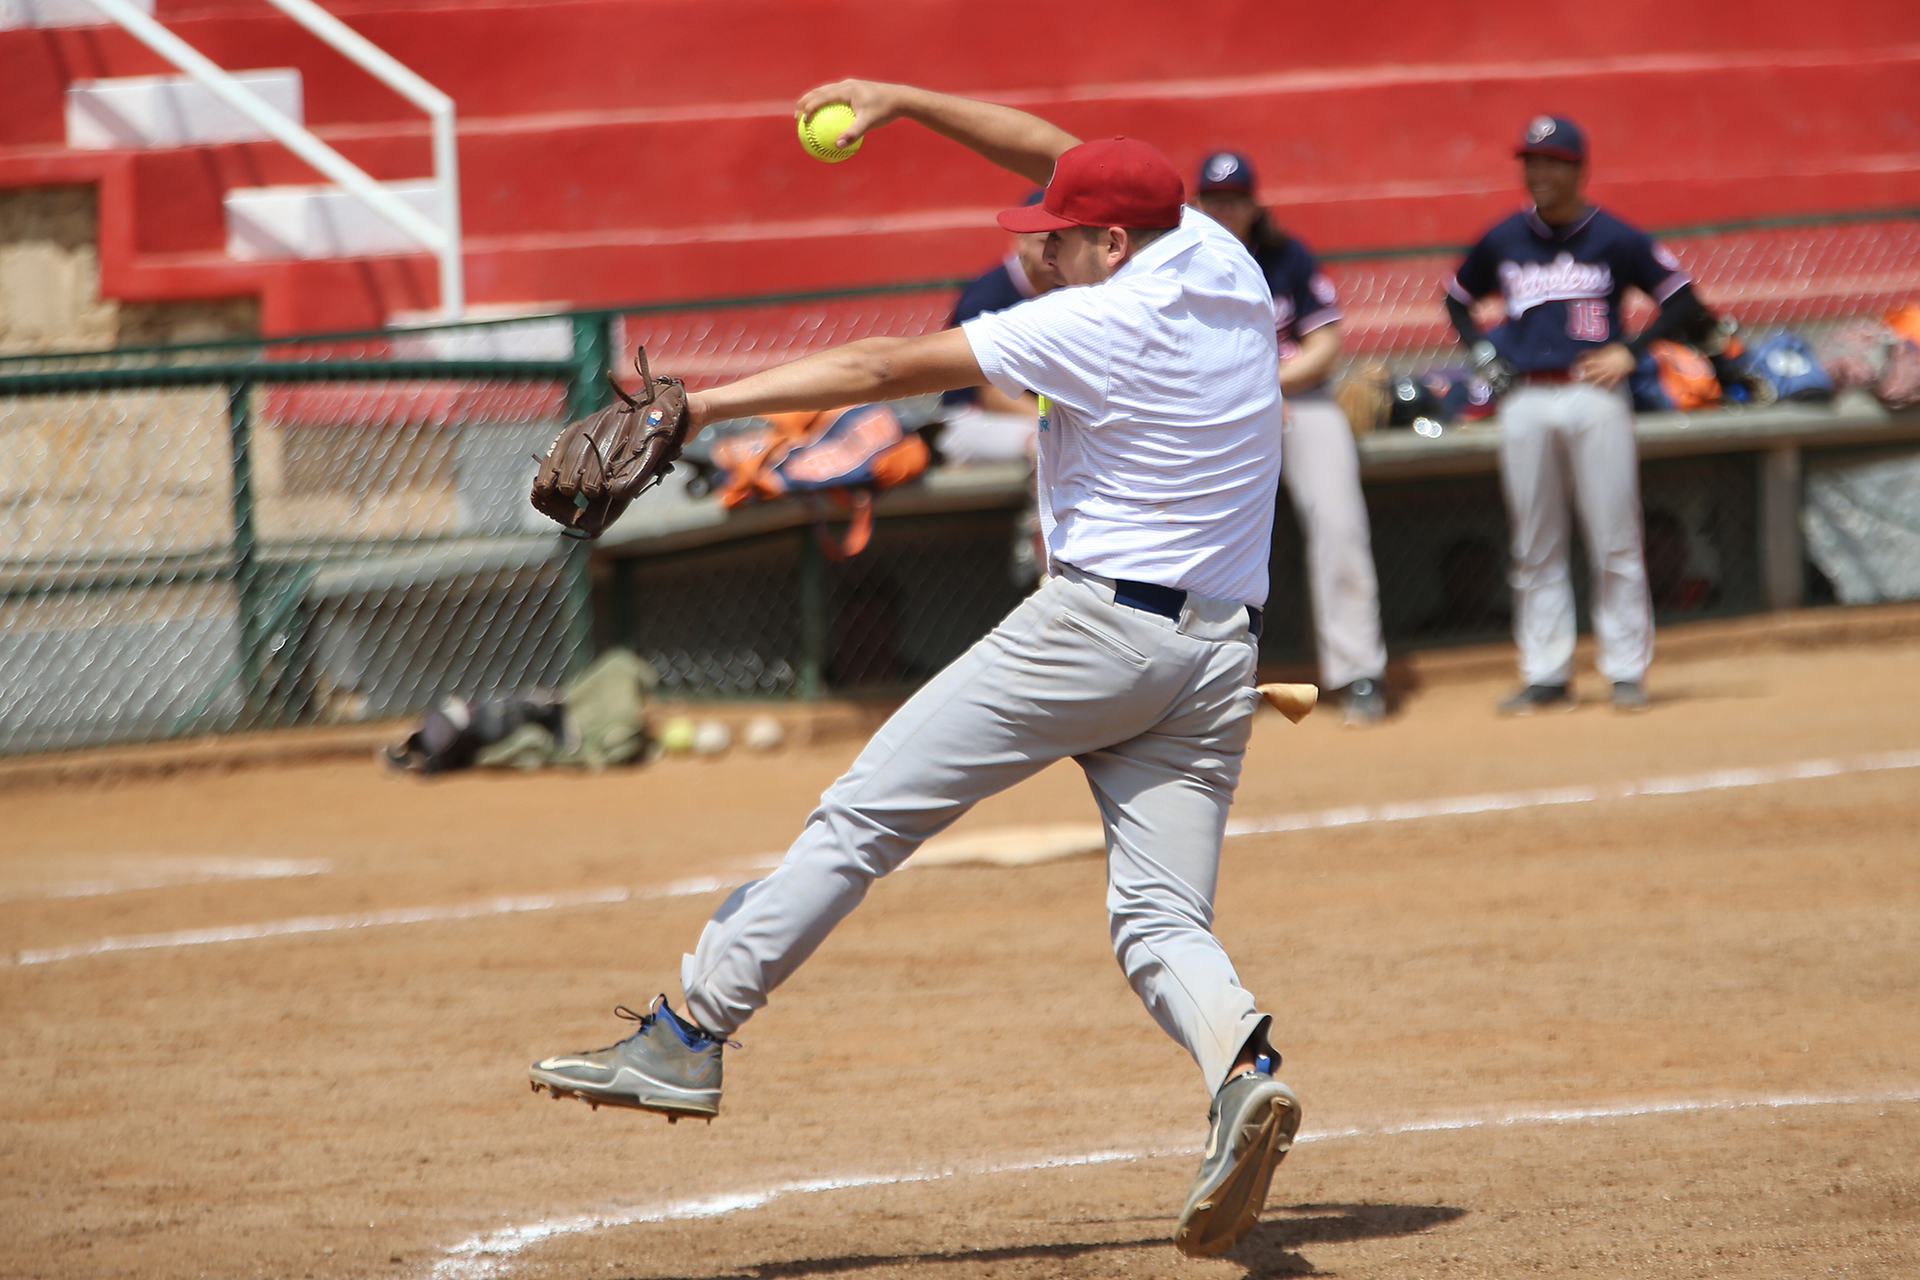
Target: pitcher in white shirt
[{"x": 1159, "y": 465}]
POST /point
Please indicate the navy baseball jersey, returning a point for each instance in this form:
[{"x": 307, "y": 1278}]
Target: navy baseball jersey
[
  {"x": 995, "y": 290},
  {"x": 1562, "y": 285},
  {"x": 1303, "y": 297}
]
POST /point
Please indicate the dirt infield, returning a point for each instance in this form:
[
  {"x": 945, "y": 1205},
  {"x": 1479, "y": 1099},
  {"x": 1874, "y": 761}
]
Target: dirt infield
[{"x": 276, "y": 1022}]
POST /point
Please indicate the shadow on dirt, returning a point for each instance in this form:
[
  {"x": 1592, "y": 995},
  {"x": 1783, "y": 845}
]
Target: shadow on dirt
[
  {"x": 1266, "y": 1251},
  {"x": 1269, "y": 1249}
]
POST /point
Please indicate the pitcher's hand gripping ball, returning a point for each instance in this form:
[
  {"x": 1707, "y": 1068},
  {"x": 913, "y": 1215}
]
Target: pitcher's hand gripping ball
[
  {"x": 820, "y": 132},
  {"x": 598, "y": 465}
]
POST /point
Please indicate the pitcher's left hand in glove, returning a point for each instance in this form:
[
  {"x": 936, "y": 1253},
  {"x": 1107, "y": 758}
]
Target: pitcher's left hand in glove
[{"x": 598, "y": 465}]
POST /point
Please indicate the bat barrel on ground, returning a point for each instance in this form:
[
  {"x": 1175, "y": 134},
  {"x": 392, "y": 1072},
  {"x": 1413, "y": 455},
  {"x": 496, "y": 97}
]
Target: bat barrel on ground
[{"x": 1291, "y": 700}]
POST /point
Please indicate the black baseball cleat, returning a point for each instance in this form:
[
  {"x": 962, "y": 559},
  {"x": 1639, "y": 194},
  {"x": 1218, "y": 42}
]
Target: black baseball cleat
[
  {"x": 1629, "y": 695},
  {"x": 668, "y": 1065},
  {"x": 1250, "y": 1130},
  {"x": 1366, "y": 704},
  {"x": 1539, "y": 697}
]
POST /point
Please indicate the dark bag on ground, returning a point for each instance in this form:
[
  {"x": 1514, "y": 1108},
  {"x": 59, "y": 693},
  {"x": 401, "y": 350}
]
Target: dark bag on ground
[{"x": 597, "y": 719}]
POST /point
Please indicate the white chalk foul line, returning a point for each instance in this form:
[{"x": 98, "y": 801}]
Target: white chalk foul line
[
  {"x": 1497, "y": 802},
  {"x": 1506, "y": 801},
  {"x": 199, "y": 871},
  {"x": 489, "y": 1255},
  {"x": 482, "y": 1256},
  {"x": 371, "y": 919}
]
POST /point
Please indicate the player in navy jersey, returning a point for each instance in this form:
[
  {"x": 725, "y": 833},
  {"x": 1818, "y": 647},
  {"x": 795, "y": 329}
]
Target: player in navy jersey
[
  {"x": 984, "y": 425},
  {"x": 1561, "y": 360},
  {"x": 1319, "y": 463}
]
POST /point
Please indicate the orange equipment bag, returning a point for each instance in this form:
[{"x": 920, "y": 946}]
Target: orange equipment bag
[
  {"x": 1686, "y": 376},
  {"x": 845, "y": 455}
]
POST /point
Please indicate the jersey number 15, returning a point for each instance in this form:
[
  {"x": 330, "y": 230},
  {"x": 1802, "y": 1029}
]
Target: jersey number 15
[{"x": 1587, "y": 320}]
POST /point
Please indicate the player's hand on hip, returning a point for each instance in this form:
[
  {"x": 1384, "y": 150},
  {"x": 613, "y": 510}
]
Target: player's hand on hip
[
  {"x": 1605, "y": 367},
  {"x": 873, "y": 103}
]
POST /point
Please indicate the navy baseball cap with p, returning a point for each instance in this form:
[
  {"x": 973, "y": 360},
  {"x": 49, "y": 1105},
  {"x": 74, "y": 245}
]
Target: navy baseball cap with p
[
  {"x": 1227, "y": 171},
  {"x": 1554, "y": 136},
  {"x": 1109, "y": 182}
]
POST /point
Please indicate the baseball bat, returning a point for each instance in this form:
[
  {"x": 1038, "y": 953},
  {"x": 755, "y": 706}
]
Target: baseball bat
[{"x": 1291, "y": 700}]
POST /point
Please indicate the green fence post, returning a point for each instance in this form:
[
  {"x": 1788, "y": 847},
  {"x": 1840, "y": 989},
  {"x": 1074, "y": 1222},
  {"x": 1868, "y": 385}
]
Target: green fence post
[
  {"x": 587, "y": 391},
  {"x": 592, "y": 358},
  {"x": 813, "y": 614},
  {"x": 247, "y": 581}
]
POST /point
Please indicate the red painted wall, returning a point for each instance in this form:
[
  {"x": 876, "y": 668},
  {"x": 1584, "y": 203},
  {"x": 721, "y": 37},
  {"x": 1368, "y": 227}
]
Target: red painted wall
[{"x": 605, "y": 142}]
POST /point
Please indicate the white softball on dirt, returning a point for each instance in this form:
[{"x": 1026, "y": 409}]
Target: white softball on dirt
[
  {"x": 710, "y": 738},
  {"x": 763, "y": 733}
]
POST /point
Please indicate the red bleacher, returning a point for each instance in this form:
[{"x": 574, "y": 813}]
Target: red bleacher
[{"x": 643, "y": 149}]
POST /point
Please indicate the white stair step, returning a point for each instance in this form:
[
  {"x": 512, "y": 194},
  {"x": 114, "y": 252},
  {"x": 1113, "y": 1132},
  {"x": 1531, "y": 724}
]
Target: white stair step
[
  {"x": 537, "y": 336},
  {"x": 321, "y": 221},
  {"x": 58, "y": 13},
  {"x": 171, "y": 111}
]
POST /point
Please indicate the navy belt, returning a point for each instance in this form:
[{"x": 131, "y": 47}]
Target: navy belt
[{"x": 1165, "y": 601}]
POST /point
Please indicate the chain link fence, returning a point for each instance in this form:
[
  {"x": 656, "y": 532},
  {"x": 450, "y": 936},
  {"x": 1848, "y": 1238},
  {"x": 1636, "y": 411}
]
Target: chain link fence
[
  {"x": 1764, "y": 273},
  {"x": 1440, "y": 550},
  {"x": 203, "y": 538},
  {"x": 193, "y": 542}
]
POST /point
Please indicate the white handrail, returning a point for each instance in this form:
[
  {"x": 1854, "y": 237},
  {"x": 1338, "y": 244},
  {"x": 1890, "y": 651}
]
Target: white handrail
[
  {"x": 444, "y": 242},
  {"x": 384, "y": 67}
]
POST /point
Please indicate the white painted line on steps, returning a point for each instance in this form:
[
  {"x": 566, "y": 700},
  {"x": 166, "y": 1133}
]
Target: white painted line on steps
[
  {"x": 989, "y": 847},
  {"x": 489, "y": 1255}
]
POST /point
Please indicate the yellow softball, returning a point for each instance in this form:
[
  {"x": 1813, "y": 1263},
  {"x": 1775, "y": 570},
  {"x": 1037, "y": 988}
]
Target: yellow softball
[{"x": 821, "y": 130}]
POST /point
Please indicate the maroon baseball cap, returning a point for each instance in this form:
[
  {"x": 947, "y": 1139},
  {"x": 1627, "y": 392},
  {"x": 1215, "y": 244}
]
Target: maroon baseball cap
[{"x": 1111, "y": 182}]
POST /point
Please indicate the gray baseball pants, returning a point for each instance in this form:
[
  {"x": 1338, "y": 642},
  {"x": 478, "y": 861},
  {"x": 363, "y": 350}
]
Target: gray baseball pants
[
  {"x": 1575, "y": 437},
  {"x": 1322, "y": 475},
  {"x": 1156, "y": 710}
]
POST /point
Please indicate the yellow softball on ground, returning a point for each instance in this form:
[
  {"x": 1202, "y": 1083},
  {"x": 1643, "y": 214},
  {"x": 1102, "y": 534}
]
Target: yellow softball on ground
[
  {"x": 676, "y": 736},
  {"x": 820, "y": 132}
]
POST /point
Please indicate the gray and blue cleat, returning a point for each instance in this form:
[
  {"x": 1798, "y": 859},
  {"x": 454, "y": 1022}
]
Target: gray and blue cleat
[
  {"x": 1250, "y": 1130},
  {"x": 668, "y": 1065}
]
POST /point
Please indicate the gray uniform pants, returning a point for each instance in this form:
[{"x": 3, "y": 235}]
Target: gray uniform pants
[
  {"x": 1322, "y": 474},
  {"x": 1156, "y": 710},
  {"x": 1577, "y": 437}
]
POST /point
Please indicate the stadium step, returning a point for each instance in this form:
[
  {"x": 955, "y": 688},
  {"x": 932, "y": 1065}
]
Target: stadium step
[
  {"x": 171, "y": 111},
  {"x": 586, "y": 181},
  {"x": 320, "y": 221},
  {"x": 28, "y": 14}
]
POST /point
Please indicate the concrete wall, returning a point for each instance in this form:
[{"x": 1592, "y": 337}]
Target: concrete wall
[{"x": 50, "y": 284}]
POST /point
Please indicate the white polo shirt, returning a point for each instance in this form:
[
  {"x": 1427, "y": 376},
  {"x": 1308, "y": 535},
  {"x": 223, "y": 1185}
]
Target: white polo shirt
[{"x": 1160, "y": 447}]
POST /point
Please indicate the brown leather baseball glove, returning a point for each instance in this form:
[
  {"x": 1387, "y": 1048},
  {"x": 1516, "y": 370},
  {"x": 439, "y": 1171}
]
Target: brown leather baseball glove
[
  {"x": 598, "y": 465},
  {"x": 1363, "y": 398}
]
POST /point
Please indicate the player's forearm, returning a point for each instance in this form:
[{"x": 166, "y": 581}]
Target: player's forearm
[
  {"x": 1010, "y": 138},
  {"x": 1310, "y": 368},
  {"x": 1681, "y": 316},
  {"x": 1463, "y": 323},
  {"x": 871, "y": 369}
]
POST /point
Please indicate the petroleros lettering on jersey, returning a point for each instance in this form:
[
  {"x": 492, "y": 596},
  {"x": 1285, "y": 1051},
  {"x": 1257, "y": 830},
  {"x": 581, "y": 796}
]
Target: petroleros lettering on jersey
[{"x": 1525, "y": 285}]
